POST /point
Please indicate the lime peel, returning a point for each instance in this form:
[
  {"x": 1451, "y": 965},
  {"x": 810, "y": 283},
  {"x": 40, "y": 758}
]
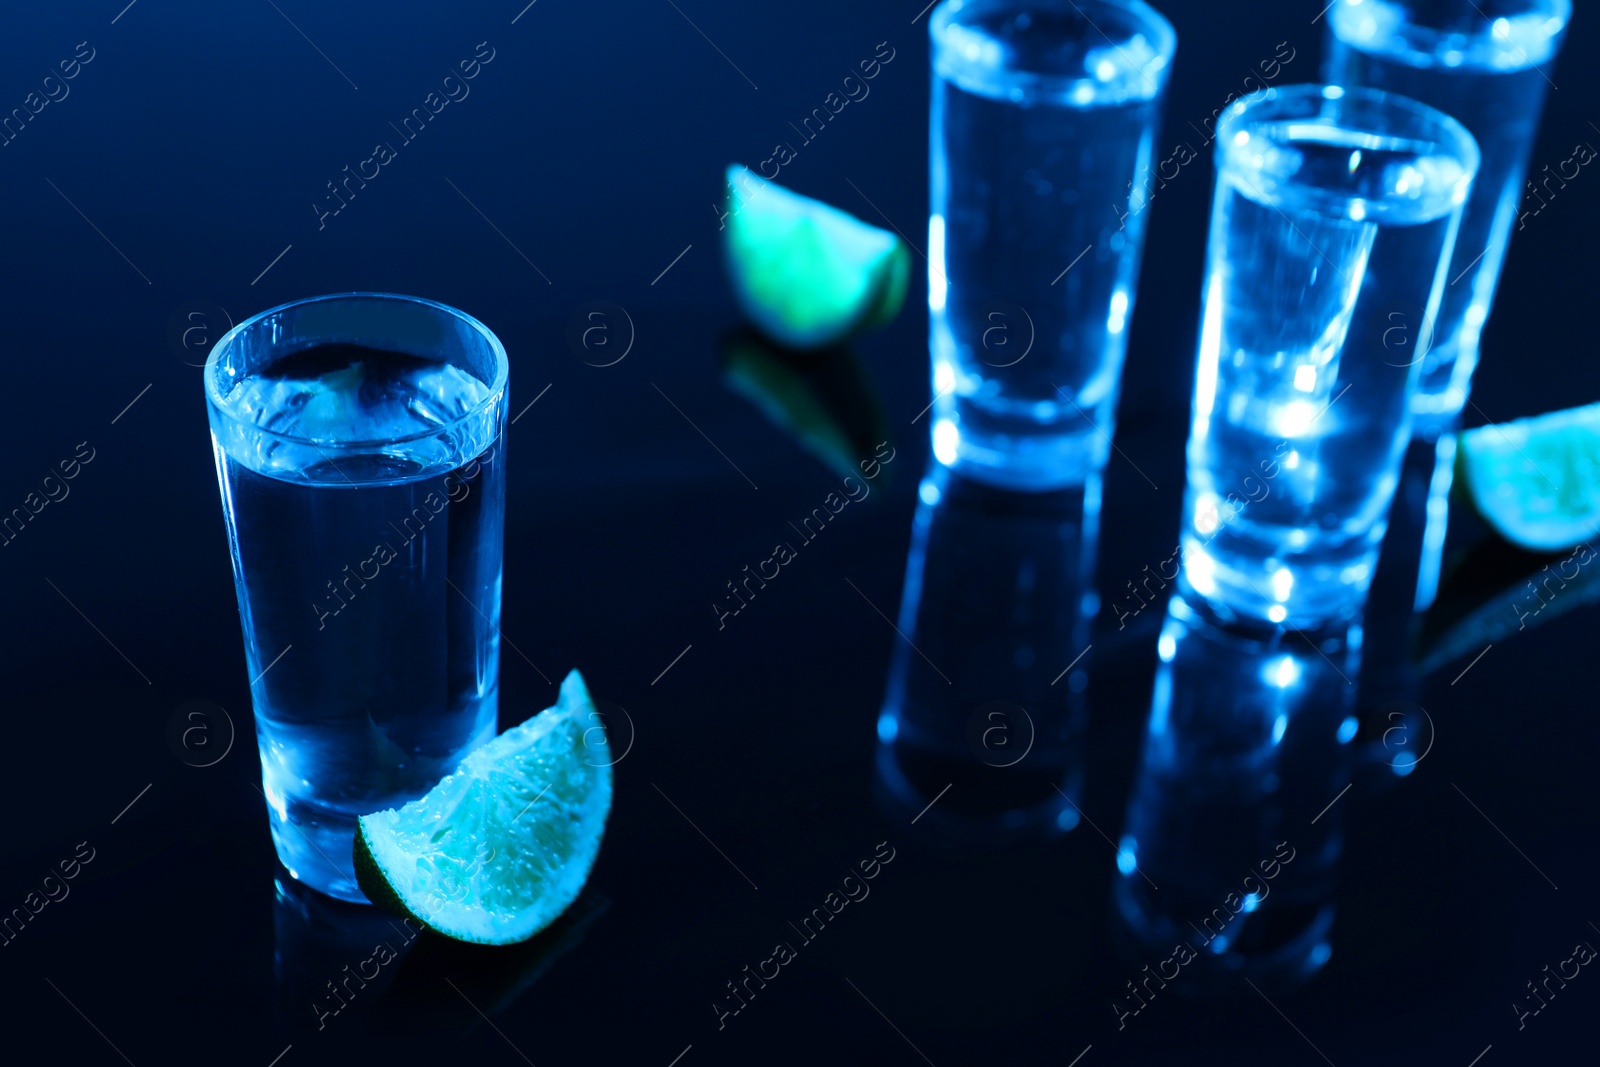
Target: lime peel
[{"x": 496, "y": 851}]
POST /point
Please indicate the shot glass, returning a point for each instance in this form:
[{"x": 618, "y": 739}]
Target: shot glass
[
  {"x": 1331, "y": 206},
  {"x": 1487, "y": 67},
  {"x": 1043, "y": 122},
  {"x": 358, "y": 442}
]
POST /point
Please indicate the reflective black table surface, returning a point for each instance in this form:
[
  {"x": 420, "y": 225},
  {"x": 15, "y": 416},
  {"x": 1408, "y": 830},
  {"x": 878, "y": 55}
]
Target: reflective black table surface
[{"x": 1172, "y": 867}]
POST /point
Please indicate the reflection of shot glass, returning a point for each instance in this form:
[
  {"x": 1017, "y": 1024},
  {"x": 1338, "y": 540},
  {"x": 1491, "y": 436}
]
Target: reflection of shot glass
[
  {"x": 1482, "y": 65},
  {"x": 1331, "y": 206},
  {"x": 1043, "y": 120},
  {"x": 1231, "y": 842},
  {"x": 998, "y": 593},
  {"x": 358, "y": 446}
]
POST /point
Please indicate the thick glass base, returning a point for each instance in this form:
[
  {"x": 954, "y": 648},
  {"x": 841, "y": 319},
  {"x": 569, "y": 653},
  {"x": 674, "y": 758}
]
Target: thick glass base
[
  {"x": 1250, "y": 579},
  {"x": 319, "y": 777},
  {"x": 315, "y": 844},
  {"x": 1015, "y": 453}
]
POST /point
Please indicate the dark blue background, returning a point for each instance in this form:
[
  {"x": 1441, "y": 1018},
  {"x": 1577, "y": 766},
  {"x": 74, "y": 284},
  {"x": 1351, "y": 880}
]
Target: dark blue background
[{"x": 196, "y": 141}]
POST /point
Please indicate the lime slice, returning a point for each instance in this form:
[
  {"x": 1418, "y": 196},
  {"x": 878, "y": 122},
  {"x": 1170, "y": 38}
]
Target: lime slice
[
  {"x": 1537, "y": 480},
  {"x": 497, "y": 851},
  {"x": 808, "y": 275}
]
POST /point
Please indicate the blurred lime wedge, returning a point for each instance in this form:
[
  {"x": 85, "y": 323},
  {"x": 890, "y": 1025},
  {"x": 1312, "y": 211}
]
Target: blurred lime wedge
[
  {"x": 808, "y": 275},
  {"x": 497, "y": 851},
  {"x": 1537, "y": 480}
]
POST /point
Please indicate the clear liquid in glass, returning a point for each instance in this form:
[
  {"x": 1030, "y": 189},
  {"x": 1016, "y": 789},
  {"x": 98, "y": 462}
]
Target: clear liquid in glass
[
  {"x": 1301, "y": 412},
  {"x": 368, "y": 581},
  {"x": 1481, "y": 64}
]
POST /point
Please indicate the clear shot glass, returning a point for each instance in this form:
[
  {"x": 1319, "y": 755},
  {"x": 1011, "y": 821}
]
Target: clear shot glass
[
  {"x": 358, "y": 441},
  {"x": 1331, "y": 206},
  {"x": 1043, "y": 123},
  {"x": 1488, "y": 65}
]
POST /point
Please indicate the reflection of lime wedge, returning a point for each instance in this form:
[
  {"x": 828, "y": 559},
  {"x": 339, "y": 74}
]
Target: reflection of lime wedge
[
  {"x": 1493, "y": 591},
  {"x": 823, "y": 399},
  {"x": 333, "y": 403},
  {"x": 497, "y": 850},
  {"x": 1537, "y": 481},
  {"x": 808, "y": 275}
]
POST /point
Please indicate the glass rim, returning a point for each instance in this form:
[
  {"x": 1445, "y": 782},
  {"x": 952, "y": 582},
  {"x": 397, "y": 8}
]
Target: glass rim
[
  {"x": 497, "y": 387},
  {"x": 1152, "y": 22},
  {"x": 1449, "y": 130},
  {"x": 1557, "y": 11},
  {"x": 1561, "y": 9}
]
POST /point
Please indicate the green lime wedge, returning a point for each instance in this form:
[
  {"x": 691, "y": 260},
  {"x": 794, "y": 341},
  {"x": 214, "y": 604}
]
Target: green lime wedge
[
  {"x": 497, "y": 851},
  {"x": 1537, "y": 480},
  {"x": 808, "y": 275}
]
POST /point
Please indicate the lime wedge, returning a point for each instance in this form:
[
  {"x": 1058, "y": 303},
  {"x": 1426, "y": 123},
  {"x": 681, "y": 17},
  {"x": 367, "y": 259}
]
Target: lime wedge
[
  {"x": 497, "y": 851},
  {"x": 808, "y": 275},
  {"x": 1537, "y": 480}
]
